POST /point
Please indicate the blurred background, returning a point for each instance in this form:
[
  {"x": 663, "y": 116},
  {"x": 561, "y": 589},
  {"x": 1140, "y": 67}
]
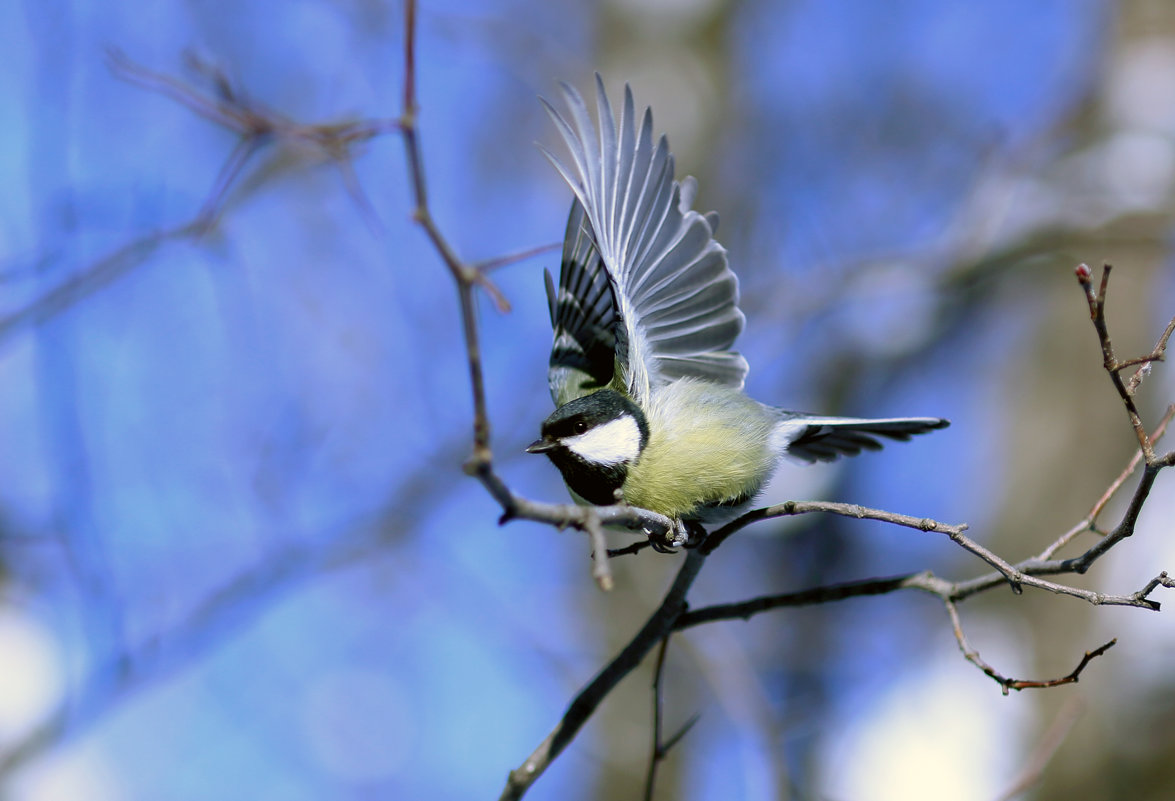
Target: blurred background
[{"x": 238, "y": 557}]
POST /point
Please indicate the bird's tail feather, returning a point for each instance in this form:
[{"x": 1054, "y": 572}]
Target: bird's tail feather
[{"x": 811, "y": 438}]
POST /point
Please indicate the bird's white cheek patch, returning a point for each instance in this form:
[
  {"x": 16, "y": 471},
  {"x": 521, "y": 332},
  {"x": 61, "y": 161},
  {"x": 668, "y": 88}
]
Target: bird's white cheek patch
[{"x": 611, "y": 443}]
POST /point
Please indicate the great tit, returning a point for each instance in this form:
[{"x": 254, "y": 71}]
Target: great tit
[{"x": 650, "y": 408}]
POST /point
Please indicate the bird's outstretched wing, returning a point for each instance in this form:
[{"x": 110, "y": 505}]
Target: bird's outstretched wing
[
  {"x": 823, "y": 439},
  {"x": 642, "y": 276}
]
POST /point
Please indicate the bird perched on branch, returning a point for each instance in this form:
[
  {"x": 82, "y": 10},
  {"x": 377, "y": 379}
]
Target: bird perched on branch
[{"x": 650, "y": 408}]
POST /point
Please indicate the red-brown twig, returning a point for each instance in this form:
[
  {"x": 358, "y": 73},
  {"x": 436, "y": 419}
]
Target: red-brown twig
[{"x": 1006, "y": 683}]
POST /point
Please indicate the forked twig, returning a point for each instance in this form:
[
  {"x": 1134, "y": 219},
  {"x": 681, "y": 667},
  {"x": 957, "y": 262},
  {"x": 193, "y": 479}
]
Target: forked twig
[
  {"x": 1006, "y": 683},
  {"x": 661, "y": 748}
]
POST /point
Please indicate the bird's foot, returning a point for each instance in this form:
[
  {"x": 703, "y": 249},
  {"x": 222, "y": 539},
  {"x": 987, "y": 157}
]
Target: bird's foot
[{"x": 683, "y": 534}]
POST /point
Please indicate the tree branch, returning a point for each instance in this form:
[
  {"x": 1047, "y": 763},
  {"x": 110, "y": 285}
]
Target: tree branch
[{"x": 655, "y": 629}]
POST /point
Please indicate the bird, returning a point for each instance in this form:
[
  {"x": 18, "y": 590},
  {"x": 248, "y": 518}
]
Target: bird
[{"x": 650, "y": 409}]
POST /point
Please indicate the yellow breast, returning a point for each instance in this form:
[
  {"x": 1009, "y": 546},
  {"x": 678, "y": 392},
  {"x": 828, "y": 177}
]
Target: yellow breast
[{"x": 707, "y": 444}]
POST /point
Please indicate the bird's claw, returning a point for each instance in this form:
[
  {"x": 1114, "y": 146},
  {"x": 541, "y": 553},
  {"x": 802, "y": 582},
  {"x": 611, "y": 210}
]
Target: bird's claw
[{"x": 676, "y": 537}]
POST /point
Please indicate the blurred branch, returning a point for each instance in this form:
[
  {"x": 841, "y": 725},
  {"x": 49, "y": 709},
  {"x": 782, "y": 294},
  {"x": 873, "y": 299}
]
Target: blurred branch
[
  {"x": 94, "y": 277},
  {"x": 224, "y": 611},
  {"x": 255, "y": 125},
  {"x": 257, "y": 129},
  {"x": 510, "y": 258},
  {"x": 1040, "y": 757},
  {"x": 220, "y": 613}
]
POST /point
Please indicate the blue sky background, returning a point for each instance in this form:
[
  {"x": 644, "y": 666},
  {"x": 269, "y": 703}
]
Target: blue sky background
[{"x": 285, "y": 398}]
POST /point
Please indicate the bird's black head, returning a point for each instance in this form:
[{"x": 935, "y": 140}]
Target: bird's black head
[{"x": 592, "y": 440}]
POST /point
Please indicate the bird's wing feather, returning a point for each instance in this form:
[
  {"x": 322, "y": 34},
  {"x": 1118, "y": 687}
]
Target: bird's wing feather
[
  {"x": 674, "y": 298},
  {"x": 823, "y": 439},
  {"x": 583, "y": 314}
]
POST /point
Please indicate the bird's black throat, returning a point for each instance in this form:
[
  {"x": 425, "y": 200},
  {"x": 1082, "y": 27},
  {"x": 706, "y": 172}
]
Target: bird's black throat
[{"x": 595, "y": 483}]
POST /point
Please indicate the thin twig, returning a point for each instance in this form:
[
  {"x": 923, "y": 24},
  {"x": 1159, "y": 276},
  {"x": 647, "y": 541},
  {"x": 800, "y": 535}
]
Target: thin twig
[
  {"x": 655, "y": 754},
  {"x": 628, "y": 550},
  {"x": 601, "y": 569},
  {"x": 744, "y": 610},
  {"x": 256, "y": 127},
  {"x": 94, "y": 278},
  {"x": 1006, "y": 683},
  {"x": 490, "y": 265},
  {"x": 1097, "y": 313},
  {"x": 792, "y": 508},
  {"x": 1089, "y": 522}
]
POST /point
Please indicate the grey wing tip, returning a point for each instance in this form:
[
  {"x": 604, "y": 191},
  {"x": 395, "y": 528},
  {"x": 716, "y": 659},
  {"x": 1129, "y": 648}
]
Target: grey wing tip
[
  {"x": 601, "y": 93},
  {"x": 572, "y": 95},
  {"x": 555, "y": 116}
]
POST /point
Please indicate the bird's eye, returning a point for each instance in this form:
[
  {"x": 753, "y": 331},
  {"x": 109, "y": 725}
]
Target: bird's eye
[{"x": 580, "y": 427}]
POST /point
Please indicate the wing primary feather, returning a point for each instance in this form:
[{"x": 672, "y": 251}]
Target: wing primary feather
[
  {"x": 624, "y": 170},
  {"x": 586, "y": 144},
  {"x": 609, "y": 158},
  {"x": 671, "y": 299}
]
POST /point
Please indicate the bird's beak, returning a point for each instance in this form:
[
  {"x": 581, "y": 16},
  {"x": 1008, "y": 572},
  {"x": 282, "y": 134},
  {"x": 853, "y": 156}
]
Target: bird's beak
[{"x": 542, "y": 446}]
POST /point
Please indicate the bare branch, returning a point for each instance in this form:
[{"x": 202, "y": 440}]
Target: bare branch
[
  {"x": 659, "y": 624},
  {"x": 1097, "y": 313},
  {"x": 793, "y": 508},
  {"x": 1089, "y": 522},
  {"x": 94, "y": 278},
  {"x": 1006, "y": 684},
  {"x": 256, "y": 127},
  {"x": 831, "y": 593}
]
